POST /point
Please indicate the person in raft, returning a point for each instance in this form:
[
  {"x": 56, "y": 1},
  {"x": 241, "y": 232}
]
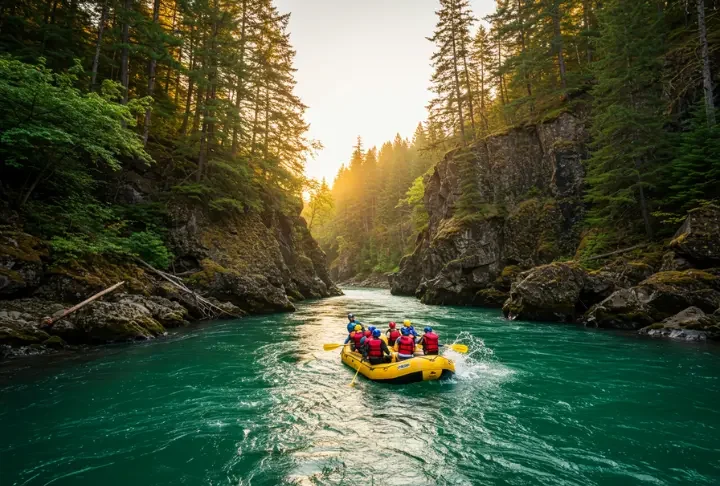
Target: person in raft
[
  {"x": 352, "y": 322},
  {"x": 375, "y": 350},
  {"x": 392, "y": 334},
  {"x": 354, "y": 337},
  {"x": 405, "y": 345},
  {"x": 430, "y": 341},
  {"x": 408, "y": 325},
  {"x": 368, "y": 334}
]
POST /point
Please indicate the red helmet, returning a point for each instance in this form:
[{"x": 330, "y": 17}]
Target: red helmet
[
  {"x": 368, "y": 333},
  {"x": 392, "y": 325}
]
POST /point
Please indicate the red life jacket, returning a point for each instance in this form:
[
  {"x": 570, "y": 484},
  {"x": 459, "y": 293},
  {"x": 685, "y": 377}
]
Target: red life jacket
[
  {"x": 406, "y": 345},
  {"x": 356, "y": 337},
  {"x": 393, "y": 336},
  {"x": 374, "y": 347},
  {"x": 430, "y": 342}
]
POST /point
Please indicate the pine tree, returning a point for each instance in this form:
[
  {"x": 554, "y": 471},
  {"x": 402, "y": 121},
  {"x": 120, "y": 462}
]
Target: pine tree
[
  {"x": 627, "y": 126},
  {"x": 452, "y": 105}
]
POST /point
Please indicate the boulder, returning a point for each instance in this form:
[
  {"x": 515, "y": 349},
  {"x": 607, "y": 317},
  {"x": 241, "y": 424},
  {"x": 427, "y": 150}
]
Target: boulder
[
  {"x": 107, "y": 322},
  {"x": 698, "y": 239},
  {"x": 491, "y": 297},
  {"x": 691, "y": 324},
  {"x": 168, "y": 313},
  {"x": 656, "y": 298},
  {"x": 547, "y": 293},
  {"x": 673, "y": 261},
  {"x": 252, "y": 293},
  {"x": 21, "y": 266},
  {"x": 462, "y": 259}
]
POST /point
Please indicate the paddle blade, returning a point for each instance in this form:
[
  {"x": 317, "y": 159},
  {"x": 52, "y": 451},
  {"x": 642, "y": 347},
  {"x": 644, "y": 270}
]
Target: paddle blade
[
  {"x": 459, "y": 348},
  {"x": 330, "y": 347}
]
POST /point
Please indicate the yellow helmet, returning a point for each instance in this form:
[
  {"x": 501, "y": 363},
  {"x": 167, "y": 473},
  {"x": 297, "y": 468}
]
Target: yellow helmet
[
  {"x": 358, "y": 327},
  {"x": 407, "y": 323}
]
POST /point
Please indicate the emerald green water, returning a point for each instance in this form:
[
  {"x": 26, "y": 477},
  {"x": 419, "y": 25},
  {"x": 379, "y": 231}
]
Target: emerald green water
[{"x": 258, "y": 402}]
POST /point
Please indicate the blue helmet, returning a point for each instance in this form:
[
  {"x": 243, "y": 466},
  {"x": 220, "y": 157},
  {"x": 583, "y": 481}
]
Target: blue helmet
[
  {"x": 371, "y": 328},
  {"x": 428, "y": 329},
  {"x": 376, "y": 333},
  {"x": 405, "y": 331}
]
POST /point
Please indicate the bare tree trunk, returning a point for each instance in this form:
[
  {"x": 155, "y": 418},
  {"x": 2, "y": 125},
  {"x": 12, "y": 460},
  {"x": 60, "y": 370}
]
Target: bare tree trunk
[
  {"x": 586, "y": 25},
  {"x": 643, "y": 204},
  {"x": 208, "y": 125},
  {"x": 467, "y": 82},
  {"x": 199, "y": 101},
  {"x": 151, "y": 74},
  {"x": 255, "y": 121},
  {"x": 191, "y": 81},
  {"x": 241, "y": 73},
  {"x": 267, "y": 123},
  {"x": 483, "y": 108},
  {"x": 168, "y": 73},
  {"x": 458, "y": 97},
  {"x": 501, "y": 80},
  {"x": 707, "y": 75},
  {"x": 98, "y": 44},
  {"x": 556, "y": 14},
  {"x": 124, "y": 60},
  {"x": 523, "y": 46}
]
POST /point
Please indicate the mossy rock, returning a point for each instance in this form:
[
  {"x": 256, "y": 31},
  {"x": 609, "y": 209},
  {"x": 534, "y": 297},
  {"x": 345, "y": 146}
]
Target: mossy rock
[
  {"x": 82, "y": 278},
  {"x": 22, "y": 246},
  {"x": 55, "y": 342},
  {"x": 490, "y": 298}
]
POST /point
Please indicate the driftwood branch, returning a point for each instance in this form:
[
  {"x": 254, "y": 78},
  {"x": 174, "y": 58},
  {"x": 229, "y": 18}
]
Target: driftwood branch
[
  {"x": 617, "y": 252},
  {"x": 203, "y": 303},
  {"x": 67, "y": 312}
]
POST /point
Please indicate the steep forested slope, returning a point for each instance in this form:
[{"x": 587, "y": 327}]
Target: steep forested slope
[{"x": 166, "y": 132}]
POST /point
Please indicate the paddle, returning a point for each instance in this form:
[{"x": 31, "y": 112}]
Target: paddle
[
  {"x": 352, "y": 383},
  {"x": 459, "y": 348},
  {"x": 330, "y": 347}
]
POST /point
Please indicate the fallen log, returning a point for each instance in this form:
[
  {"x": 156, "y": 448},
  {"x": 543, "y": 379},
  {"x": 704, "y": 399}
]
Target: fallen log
[
  {"x": 616, "y": 252},
  {"x": 50, "y": 321},
  {"x": 177, "y": 282}
]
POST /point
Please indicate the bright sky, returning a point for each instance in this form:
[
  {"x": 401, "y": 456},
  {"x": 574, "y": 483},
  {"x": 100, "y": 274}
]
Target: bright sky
[{"x": 363, "y": 69}]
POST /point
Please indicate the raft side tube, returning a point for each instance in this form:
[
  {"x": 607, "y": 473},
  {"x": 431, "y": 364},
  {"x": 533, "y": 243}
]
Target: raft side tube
[{"x": 419, "y": 368}]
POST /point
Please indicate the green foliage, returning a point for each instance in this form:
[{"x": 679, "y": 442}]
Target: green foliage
[
  {"x": 629, "y": 144},
  {"x": 83, "y": 227},
  {"x": 55, "y": 135},
  {"x": 415, "y": 202},
  {"x": 694, "y": 173}
]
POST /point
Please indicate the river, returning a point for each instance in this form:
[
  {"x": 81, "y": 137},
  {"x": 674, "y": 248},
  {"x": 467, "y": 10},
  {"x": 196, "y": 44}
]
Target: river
[{"x": 258, "y": 402}]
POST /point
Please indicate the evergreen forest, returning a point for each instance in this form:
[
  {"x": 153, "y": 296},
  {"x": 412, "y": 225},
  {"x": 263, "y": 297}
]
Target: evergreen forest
[
  {"x": 642, "y": 73},
  {"x": 111, "y": 110}
]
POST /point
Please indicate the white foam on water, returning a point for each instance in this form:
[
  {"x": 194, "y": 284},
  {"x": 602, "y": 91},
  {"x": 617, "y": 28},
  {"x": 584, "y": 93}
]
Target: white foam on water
[{"x": 478, "y": 363}]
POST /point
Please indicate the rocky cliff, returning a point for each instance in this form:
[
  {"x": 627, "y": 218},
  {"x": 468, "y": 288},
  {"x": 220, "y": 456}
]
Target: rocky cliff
[
  {"x": 530, "y": 180},
  {"x": 251, "y": 263}
]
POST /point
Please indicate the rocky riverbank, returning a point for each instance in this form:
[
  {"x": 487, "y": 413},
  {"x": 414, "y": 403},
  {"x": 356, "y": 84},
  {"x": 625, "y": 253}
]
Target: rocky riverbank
[
  {"x": 676, "y": 295},
  {"x": 374, "y": 280},
  {"x": 254, "y": 263},
  {"x": 526, "y": 254}
]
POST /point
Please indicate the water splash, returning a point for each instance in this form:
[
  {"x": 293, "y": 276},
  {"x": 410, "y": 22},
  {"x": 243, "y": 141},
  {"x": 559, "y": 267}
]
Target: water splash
[{"x": 479, "y": 362}]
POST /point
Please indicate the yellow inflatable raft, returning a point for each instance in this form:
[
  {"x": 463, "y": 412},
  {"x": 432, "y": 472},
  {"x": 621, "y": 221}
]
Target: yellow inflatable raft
[{"x": 419, "y": 368}]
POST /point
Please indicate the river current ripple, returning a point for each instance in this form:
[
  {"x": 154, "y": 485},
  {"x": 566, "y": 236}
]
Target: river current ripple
[{"x": 258, "y": 402}]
